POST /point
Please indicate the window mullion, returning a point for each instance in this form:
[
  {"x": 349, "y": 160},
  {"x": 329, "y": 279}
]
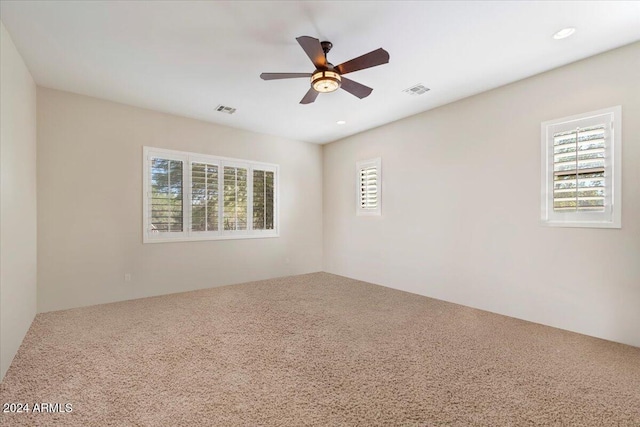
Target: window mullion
[
  {"x": 206, "y": 197},
  {"x": 235, "y": 207},
  {"x": 249, "y": 226},
  {"x": 186, "y": 196},
  {"x": 169, "y": 205},
  {"x": 221, "y": 198},
  {"x": 577, "y": 172}
]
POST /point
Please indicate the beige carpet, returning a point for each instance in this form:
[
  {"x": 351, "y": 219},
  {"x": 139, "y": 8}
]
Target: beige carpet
[{"x": 315, "y": 349}]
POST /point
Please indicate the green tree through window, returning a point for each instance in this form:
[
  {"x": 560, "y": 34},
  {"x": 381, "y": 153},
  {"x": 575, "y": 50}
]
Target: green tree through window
[
  {"x": 235, "y": 198},
  {"x": 166, "y": 195},
  {"x": 263, "y": 197},
  {"x": 204, "y": 197},
  {"x": 191, "y": 196}
]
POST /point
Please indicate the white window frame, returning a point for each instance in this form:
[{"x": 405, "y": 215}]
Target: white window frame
[
  {"x": 611, "y": 217},
  {"x": 187, "y": 235},
  {"x": 365, "y": 164}
]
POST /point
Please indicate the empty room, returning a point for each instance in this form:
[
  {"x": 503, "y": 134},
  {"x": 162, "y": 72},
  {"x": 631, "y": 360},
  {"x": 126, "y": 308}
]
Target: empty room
[{"x": 320, "y": 213}]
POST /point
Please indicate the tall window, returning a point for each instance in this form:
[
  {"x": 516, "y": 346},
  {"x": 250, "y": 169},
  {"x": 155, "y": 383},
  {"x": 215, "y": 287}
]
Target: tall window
[
  {"x": 235, "y": 198},
  {"x": 368, "y": 184},
  {"x": 204, "y": 197},
  {"x": 581, "y": 170},
  {"x": 166, "y": 196},
  {"x": 263, "y": 196},
  {"x": 197, "y": 197}
]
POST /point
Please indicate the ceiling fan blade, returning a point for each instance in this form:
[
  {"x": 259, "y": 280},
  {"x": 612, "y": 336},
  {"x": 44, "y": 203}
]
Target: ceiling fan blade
[
  {"x": 355, "y": 88},
  {"x": 368, "y": 60},
  {"x": 310, "y": 96},
  {"x": 314, "y": 51},
  {"x": 277, "y": 76}
]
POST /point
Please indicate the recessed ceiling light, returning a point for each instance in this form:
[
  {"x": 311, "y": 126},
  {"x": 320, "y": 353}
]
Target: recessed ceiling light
[
  {"x": 341, "y": 122},
  {"x": 564, "y": 33}
]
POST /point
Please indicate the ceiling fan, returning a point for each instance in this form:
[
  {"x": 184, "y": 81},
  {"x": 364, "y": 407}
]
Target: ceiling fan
[{"x": 327, "y": 78}]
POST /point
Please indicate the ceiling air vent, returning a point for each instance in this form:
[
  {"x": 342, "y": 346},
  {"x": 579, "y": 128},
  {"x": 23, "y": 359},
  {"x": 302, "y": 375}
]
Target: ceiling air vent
[
  {"x": 225, "y": 109},
  {"x": 418, "y": 89}
]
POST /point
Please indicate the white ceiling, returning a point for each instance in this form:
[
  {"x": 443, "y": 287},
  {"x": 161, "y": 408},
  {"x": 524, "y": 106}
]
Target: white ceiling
[{"x": 187, "y": 57}]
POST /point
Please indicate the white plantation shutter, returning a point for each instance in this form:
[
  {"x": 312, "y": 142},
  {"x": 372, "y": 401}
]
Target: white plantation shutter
[
  {"x": 165, "y": 195},
  {"x": 581, "y": 170},
  {"x": 192, "y": 196},
  {"x": 263, "y": 199},
  {"x": 204, "y": 197},
  {"x": 235, "y": 198},
  {"x": 368, "y": 187}
]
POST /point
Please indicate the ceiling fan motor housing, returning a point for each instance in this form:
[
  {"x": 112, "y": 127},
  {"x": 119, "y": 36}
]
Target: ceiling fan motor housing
[{"x": 326, "y": 47}]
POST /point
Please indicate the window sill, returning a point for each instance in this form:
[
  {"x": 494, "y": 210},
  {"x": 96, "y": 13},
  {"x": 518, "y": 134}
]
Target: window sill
[
  {"x": 208, "y": 238},
  {"x": 585, "y": 224},
  {"x": 368, "y": 213}
]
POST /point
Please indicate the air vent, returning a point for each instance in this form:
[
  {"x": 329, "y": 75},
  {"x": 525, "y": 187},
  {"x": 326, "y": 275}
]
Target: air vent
[
  {"x": 225, "y": 109},
  {"x": 418, "y": 89}
]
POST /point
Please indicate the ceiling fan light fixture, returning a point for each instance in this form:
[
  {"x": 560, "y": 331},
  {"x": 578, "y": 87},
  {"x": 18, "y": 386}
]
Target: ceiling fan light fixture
[{"x": 325, "y": 81}]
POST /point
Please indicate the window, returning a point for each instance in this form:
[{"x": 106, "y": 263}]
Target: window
[
  {"x": 235, "y": 198},
  {"x": 204, "y": 197},
  {"x": 263, "y": 199},
  {"x": 368, "y": 178},
  {"x": 166, "y": 199},
  {"x": 191, "y": 196},
  {"x": 581, "y": 170}
]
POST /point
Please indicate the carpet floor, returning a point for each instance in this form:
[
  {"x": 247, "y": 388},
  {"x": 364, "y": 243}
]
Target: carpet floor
[{"x": 315, "y": 349}]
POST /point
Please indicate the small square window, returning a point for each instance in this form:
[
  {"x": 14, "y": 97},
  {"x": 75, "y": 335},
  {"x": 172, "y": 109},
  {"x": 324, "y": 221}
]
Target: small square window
[{"x": 581, "y": 170}]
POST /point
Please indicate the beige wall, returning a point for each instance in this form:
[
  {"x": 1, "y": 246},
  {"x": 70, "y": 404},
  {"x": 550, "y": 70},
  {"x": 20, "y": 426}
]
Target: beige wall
[
  {"x": 90, "y": 205},
  {"x": 17, "y": 200},
  {"x": 461, "y": 205}
]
